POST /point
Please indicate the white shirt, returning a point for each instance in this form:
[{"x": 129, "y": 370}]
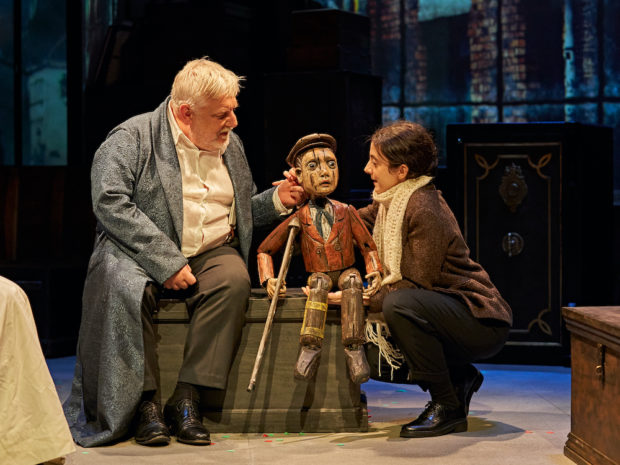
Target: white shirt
[
  {"x": 208, "y": 214},
  {"x": 207, "y": 194}
]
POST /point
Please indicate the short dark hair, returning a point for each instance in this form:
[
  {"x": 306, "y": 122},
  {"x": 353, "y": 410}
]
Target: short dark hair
[{"x": 406, "y": 143}]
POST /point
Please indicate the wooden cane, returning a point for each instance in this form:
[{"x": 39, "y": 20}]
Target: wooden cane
[{"x": 286, "y": 260}]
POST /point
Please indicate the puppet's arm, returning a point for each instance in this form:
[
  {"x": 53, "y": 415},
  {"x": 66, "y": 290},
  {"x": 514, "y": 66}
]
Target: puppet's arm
[
  {"x": 271, "y": 244},
  {"x": 368, "y": 248}
]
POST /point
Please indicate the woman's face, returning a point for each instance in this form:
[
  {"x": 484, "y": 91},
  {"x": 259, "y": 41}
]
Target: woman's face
[{"x": 383, "y": 177}]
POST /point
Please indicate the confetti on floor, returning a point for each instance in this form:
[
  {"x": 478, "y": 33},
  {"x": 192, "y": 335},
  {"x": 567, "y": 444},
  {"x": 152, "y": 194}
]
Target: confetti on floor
[
  {"x": 226, "y": 436},
  {"x": 340, "y": 444}
]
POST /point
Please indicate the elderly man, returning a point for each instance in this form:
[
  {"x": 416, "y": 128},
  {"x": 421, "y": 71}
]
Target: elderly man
[{"x": 175, "y": 204}]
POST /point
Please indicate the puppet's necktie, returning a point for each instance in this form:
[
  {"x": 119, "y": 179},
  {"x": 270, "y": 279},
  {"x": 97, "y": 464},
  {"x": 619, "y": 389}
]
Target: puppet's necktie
[{"x": 321, "y": 213}]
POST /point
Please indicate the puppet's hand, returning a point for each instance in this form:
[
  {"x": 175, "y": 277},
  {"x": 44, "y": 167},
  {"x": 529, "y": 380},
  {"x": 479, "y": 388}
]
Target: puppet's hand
[
  {"x": 271, "y": 287},
  {"x": 374, "y": 283}
]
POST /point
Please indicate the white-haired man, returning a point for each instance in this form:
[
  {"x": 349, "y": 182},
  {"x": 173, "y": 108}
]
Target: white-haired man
[{"x": 175, "y": 205}]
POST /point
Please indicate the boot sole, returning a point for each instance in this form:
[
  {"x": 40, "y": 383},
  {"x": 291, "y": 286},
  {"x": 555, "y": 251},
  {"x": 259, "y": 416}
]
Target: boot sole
[
  {"x": 459, "y": 426},
  {"x": 195, "y": 442},
  {"x": 159, "y": 440}
]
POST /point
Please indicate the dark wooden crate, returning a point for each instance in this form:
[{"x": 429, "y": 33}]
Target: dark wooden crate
[
  {"x": 279, "y": 402},
  {"x": 595, "y": 385}
]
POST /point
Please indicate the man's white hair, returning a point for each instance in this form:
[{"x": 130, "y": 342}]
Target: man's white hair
[{"x": 203, "y": 79}]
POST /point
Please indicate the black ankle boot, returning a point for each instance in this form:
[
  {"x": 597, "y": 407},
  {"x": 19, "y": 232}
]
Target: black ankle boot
[
  {"x": 435, "y": 420},
  {"x": 466, "y": 387}
]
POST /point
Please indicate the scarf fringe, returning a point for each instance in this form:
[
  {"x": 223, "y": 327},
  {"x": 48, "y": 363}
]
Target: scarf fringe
[{"x": 377, "y": 333}]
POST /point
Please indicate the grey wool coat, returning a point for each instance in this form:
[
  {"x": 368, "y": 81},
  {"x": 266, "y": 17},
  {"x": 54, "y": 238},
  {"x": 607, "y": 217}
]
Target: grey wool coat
[{"x": 138, "y": 202}]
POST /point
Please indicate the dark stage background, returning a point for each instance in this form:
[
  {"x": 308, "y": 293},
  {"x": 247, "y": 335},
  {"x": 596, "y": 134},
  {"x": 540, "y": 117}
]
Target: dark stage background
[{"x": 70, "y": 71}]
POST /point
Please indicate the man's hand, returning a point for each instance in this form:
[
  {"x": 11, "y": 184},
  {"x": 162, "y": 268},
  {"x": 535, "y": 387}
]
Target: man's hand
[
  {"x": 182, "y": 279},
  {"x": 271, "y": 288},
  {"x": 374, "y": 283},
  {"x": 290, "y": 192}
]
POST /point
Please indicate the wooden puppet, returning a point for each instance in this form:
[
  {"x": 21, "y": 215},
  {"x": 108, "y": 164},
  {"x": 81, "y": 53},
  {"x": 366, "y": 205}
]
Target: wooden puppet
[{"x": 329, "y": 230}]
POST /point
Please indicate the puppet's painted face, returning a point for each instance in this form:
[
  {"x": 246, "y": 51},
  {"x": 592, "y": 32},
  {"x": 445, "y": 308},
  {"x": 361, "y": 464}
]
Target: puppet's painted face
[{"x": 318, "y": 172}]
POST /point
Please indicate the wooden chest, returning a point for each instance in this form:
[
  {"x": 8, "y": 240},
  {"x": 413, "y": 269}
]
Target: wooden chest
[
  {"x": 595, "y": 386},
  {"x": 279, "y": 403}
]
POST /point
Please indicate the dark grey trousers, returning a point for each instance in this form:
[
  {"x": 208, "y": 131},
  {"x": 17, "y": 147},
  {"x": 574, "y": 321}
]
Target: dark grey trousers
[
  {"x": 216, "y": 306},
  {"x": 438, "y": 335}
]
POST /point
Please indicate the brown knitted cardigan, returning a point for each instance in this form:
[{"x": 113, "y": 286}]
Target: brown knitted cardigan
[{"x": 436, "y": 257}]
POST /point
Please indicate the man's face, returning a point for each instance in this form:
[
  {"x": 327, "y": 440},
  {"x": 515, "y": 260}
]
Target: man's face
[
  {"x": 211, "y": 121},
  {"x": 318, "y": 172}
]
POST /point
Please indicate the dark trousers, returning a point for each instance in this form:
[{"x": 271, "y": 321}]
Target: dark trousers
[
  {"x": 438, "y": 335},
  {"x": 216, "y": 305}
]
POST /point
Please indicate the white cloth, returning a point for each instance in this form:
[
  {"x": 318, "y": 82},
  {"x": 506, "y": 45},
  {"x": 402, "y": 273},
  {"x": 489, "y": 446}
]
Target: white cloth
[
  {"x": 387, "y": 231},
  {"x": 33, "y": 428}
]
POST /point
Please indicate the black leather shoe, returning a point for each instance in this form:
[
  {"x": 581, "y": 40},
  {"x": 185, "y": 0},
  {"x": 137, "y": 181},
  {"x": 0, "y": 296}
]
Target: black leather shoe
[
  {"x": 151, "y": 429},
  {"x": 435, "y": 420},
  {"x": 465, "y": 389},
  {"x": 186, "y": 423}
]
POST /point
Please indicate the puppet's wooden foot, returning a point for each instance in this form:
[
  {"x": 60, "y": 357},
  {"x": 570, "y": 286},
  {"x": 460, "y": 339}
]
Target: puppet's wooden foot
[
  {"x": 307, "y": 362},
  {"x": 359, "y": 371}
]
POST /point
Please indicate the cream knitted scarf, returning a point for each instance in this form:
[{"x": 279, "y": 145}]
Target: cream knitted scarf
[{"x": 387, "y": 231}]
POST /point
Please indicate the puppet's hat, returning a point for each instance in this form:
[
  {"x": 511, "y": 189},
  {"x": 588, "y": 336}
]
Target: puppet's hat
[{"x": 311, "y": 141}]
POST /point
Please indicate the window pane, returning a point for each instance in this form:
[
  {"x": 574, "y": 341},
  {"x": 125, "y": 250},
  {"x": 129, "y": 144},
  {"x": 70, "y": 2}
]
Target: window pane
[
  {"x": 385, "y": 46},
  {"x": 611, "y": 38},
  {"x": 7, "y": 126},
  {"x": 533, "y": 61},
  {"x": 44, "y": 82}
]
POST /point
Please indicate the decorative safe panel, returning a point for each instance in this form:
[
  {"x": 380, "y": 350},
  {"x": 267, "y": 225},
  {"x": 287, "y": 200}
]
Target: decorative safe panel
[{"x": 534, "y": 202}]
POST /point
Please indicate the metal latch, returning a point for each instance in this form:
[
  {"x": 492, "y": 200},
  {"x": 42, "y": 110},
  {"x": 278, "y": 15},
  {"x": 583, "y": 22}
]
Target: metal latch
[{"x": 600, "y": 368}]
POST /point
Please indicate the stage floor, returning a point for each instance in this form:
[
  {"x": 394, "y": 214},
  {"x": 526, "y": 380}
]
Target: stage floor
[{"x": 521, "y": 415}]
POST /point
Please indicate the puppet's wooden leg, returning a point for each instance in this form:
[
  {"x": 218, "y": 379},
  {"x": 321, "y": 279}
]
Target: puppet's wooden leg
[
  {"x": 313, "y": 328},
  {"x": 352, "y": 317}
]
